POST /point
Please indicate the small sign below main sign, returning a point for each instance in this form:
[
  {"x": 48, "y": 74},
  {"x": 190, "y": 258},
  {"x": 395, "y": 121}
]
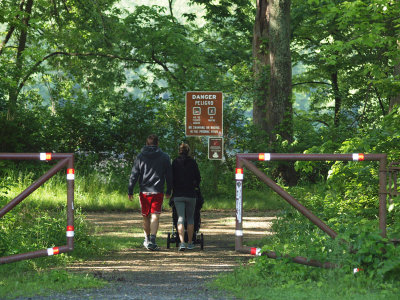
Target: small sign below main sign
[
  {"x": 204, "y": 114},
  {"x": 215, "y": 147}
]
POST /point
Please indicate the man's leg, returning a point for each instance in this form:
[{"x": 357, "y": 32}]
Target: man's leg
[
  {"x": 146, "y": 229},
  {"x": 145, "y": 206},
  {"x": 146, "y": 225},
  {"x": 154, "y": 223}
]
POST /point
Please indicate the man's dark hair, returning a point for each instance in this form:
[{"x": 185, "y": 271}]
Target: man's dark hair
[{"x": 152, "y": 140}]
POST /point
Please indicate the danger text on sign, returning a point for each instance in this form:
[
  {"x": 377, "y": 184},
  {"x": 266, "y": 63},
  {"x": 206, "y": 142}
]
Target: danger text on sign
[{"x": 204, "y": 115}]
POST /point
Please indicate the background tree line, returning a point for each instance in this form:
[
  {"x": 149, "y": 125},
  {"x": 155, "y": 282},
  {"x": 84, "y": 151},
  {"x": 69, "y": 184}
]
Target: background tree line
[{"x": 96, "y": 77}]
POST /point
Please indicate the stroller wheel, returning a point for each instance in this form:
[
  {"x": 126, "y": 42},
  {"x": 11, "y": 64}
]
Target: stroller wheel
[
  {"x": 201, "y": 242},
  {"x": 177, "y": 240},
  {"x": 168, "y": 240}
]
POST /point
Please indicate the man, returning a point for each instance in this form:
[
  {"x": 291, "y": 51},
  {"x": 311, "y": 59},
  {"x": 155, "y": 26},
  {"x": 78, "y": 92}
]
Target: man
[{"x": 152, "y": 168}]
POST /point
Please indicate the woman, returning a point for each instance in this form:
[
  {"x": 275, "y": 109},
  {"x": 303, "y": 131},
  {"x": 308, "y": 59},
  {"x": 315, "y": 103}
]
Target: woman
[{"x": 186, "y": 178}]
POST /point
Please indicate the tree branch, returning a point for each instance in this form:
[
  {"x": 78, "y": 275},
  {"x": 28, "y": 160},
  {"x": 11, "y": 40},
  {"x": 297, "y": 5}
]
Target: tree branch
[
  {"x": 6, "y": 39},
  {"x": 59, "y": 53},
  {"x": 166, "y": 69},
  {"x": 312, "y": 120},
  {"x": 380, "y": 101},
  {"x": 311, "y": 82},
  {"x": 170, "y": 9},
  {"x": 11, "y": 30}
]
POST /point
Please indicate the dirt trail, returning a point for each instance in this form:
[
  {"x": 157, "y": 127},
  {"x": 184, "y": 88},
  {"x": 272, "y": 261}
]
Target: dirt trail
[{"x": 137, "y": 273}]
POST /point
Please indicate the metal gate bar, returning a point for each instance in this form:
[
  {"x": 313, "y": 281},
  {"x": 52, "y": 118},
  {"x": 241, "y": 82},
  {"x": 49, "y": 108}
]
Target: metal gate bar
[
  {"x": 244, "y": 160},
  {"x": 67, "y": 159},
  {"x": 291, "y": 200}
]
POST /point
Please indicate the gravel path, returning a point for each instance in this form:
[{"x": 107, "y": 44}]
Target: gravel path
[{"x": 168, "y": 273}]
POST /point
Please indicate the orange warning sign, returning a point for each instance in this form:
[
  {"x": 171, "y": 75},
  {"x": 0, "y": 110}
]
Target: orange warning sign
[{"x": 204, "y": 114}]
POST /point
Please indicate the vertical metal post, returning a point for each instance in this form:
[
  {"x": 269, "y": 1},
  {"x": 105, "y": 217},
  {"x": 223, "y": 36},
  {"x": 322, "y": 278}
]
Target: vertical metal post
[
  {"x": 382, "y": 194},
  {"x": 70, "y": 204},
  {"x": 239, "y": 205}
]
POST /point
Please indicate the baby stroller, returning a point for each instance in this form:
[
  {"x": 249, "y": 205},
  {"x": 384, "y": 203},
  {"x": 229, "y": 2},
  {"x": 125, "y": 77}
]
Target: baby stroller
[{"x": 197, "y": 237}]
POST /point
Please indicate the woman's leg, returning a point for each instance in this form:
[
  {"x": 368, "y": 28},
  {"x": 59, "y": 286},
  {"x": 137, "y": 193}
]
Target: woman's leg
[
  {"x": 180, "y": 210},
  {"x": 190, "y": 206}
]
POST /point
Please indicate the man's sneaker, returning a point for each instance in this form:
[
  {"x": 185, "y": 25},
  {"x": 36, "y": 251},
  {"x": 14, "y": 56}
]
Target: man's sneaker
[
  {"x": 152, "y": 246},
  {"x": 146, "y": 244},
  {"x": 182, "y": 247},
  {"x": 190, "y": 246}
]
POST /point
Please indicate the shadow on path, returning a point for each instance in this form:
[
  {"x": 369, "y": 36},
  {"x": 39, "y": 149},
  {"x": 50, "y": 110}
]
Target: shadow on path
[{"x": 168, "y": 274}]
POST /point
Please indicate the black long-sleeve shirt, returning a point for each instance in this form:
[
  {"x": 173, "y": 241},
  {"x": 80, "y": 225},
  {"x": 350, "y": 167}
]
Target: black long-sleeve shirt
[
  {"x": 186, "y": 176},
  {"x": 152, "y": 168}
]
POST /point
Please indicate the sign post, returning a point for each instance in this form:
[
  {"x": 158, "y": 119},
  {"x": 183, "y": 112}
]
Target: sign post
[{"x": 204, "y": 114}]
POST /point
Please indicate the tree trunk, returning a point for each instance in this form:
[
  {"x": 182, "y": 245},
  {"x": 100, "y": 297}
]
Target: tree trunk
[
  {"x": 14, "y": 90},
  {"x": 279, "y": 104},
  {"x": 272, "y": 106},
  {"x": 261, "y": 65},
  {"x": 338, "y": 98},
  {"x": 395, "y": 100}
]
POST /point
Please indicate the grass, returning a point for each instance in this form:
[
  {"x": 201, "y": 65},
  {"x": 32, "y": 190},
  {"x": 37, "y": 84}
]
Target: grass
[
  {"x": 277, "y": 279},
  {"x": 42, "y": 283},
  {"x": 90, "y": 193},
  {"x": 44, "y": 209},
  {"x": 47, "y": 275},
  {"x": 94, "y": 192},
  {"x": 262, "y": 279},
  {"x": 280, "y": 279}
]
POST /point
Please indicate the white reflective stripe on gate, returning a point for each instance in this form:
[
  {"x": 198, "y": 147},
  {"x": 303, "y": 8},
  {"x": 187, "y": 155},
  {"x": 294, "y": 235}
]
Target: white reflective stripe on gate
[
  {"x": 45, "y": 156},
  {"x": 70, "y": 174},
  {"x": 239, "y": 177},
  {"x": 358, "y": 156},
  {"x": 264, "y": 156}
]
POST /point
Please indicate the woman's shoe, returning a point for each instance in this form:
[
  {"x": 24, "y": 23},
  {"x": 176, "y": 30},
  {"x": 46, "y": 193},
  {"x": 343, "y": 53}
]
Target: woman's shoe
[{"x": 182, "y": 247}]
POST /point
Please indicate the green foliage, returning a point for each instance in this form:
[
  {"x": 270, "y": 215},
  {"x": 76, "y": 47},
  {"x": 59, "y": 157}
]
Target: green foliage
[
  {"x": 358, "y": 246},
  {"x": 374, "y": 255},
  {"x": 119, "y": 76},
  {"x": 359, "y": 180},
  {"x": 279, "y": 279},
  {"x": 346, "y": 199},
  {"x": 95, "y": 80},
  {"x": 349, "y": 50},
  {"x": 43, "y": 283},
  {"x": 23, "y": 229}
]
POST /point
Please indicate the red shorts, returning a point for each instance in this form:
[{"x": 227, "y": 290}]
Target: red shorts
[{"x": 151, "y": 203}]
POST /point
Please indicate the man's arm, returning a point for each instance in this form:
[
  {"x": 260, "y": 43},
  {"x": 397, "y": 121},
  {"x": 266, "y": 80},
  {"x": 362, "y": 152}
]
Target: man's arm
[{"x": 133, "y": 178}]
